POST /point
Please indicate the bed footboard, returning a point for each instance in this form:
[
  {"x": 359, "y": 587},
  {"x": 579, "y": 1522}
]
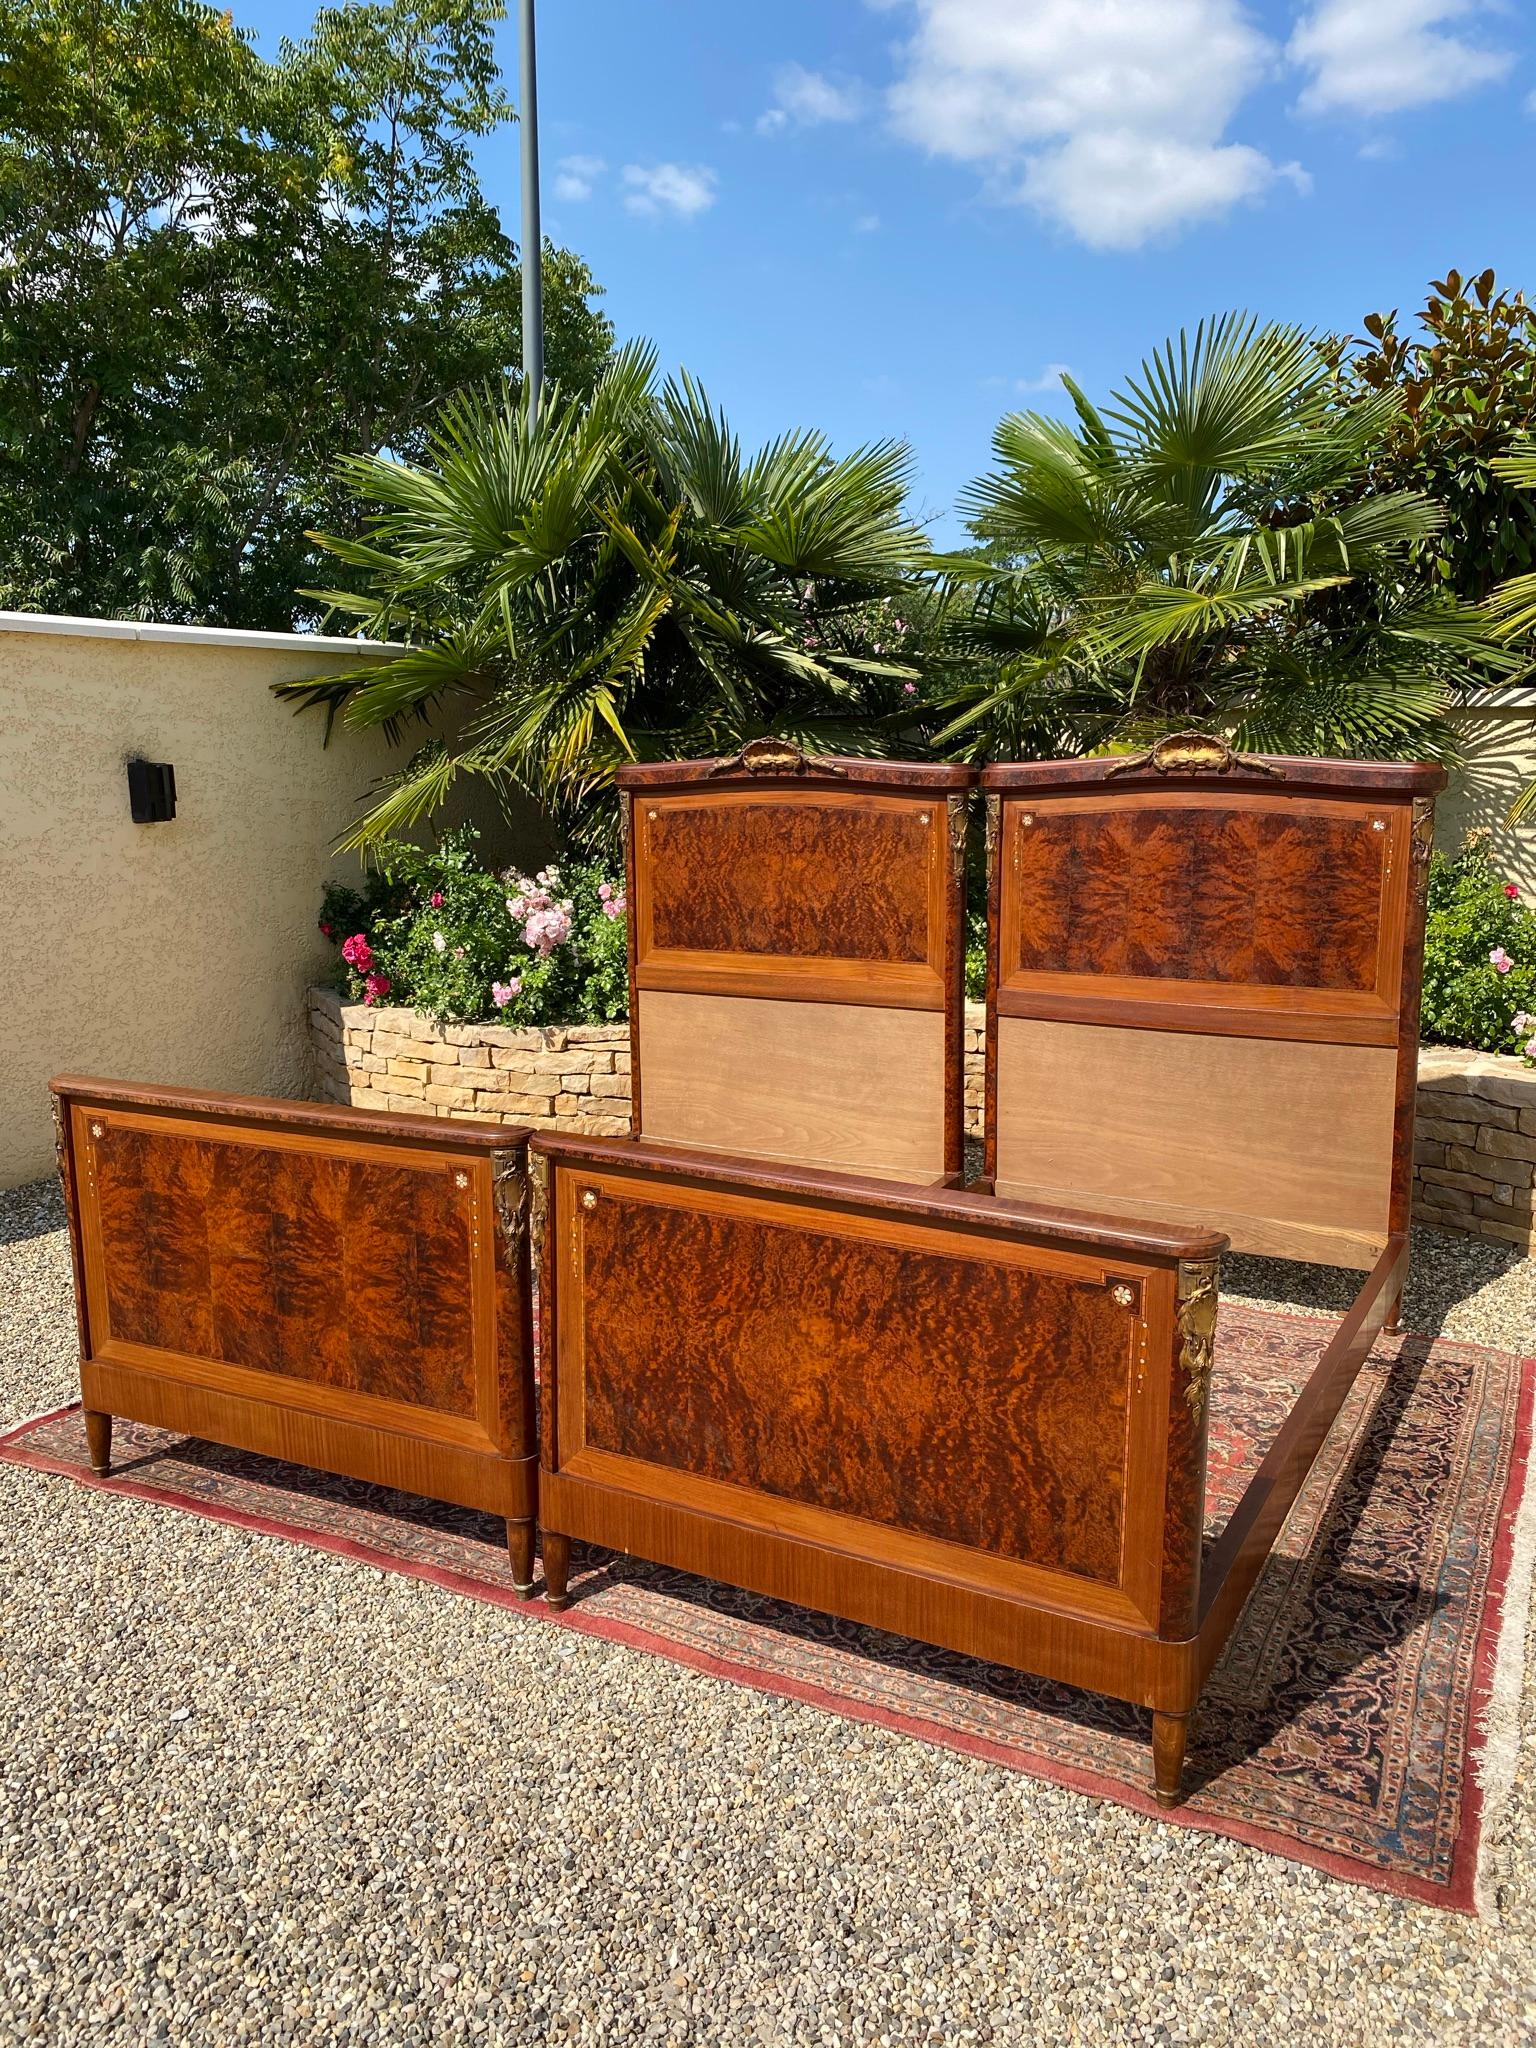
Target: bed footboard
[
  {"x": 339, "y": 1289},
  {"x": 961, "y": 1420}
]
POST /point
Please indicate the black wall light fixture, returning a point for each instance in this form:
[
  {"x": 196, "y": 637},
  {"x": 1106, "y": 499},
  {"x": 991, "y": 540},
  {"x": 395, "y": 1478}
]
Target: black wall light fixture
[{"x": 151, "y": 791}]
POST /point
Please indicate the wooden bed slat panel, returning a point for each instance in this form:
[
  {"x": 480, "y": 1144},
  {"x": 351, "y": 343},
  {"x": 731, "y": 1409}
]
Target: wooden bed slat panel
[
  {"x": 1284, "y": 1145},
  {"x": 840, "y": 1085}
]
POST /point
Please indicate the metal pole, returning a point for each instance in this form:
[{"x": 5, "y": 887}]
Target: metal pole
[{"x": 533, "y": 238}]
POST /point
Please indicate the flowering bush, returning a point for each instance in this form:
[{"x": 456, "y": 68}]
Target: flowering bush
[
  {"x": 1479, "y": 956},
  {"x": 437, "y": 932}
]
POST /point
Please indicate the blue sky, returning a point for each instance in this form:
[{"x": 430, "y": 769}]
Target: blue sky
[{"x": 895, "y": 217}]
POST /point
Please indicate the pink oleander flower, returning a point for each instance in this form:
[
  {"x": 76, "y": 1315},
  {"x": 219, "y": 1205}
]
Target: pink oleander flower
[
  {"x": 358, "y": 953},
  {"x": 502, "y": 992},
  {"x": 615, "y": 906},
  {"x": 1512, "y": 891},
  {"x": 1500, "y": 961},
  {"x": 375, "y": 986},
  {"x": 437, "y": 899},
  {"x": 439, "y": 943}
]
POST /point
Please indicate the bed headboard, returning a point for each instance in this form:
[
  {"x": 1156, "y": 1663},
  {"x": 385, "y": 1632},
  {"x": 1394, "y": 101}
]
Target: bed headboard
[
  {"x": 797, "y": 958},
  {"x": 1203, "y": 990}
]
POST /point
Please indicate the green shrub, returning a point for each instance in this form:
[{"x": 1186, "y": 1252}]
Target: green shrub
[
  {"x": 1479, "y": 955},
  {"x": 435, "y": 931}
]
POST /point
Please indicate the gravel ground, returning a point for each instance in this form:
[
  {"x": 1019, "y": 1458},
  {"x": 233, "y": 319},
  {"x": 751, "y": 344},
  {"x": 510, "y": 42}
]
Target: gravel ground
[{"x": 252, "y": 1793}]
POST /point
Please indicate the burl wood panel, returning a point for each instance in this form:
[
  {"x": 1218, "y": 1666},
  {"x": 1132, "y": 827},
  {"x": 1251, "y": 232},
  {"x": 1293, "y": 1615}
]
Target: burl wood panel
[
  {"x": 972, "y": 1401},
  {"x": 1284, "y": 1145},
  {"x": 837, "y": 1084},
  {"x": 840, "y": 880},
  {"x": 1275, "y": 896},
  {"x": 351, "y": 1275}
]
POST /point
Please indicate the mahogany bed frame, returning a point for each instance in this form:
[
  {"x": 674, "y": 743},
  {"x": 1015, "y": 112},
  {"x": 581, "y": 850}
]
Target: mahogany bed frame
[
  {"x": 797, "y": 958},
  {"x": 966, "y": 1420},
  {"x": 915, "y": 1408},
  {"x": 344, "y": 1290}
]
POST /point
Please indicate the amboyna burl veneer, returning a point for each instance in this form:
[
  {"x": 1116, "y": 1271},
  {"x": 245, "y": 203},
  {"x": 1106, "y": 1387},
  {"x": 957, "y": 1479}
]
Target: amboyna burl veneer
[
  {"x": 340, "y": 1289},
  {"x": 797, "y": 958},
  {"x": 960, "y": 1419}
]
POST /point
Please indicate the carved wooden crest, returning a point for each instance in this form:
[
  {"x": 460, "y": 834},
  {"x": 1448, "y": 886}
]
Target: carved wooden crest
[
  {"x": 776, "y": 757},
  {"x": 1193, "y": 753}
]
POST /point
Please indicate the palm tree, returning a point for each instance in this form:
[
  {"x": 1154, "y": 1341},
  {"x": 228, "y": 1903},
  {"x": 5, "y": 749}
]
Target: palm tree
[
  {"x": 615, "y": 579},
  {"x": 1511, "y": 607},
  {"x": 1200, "y": 554}
]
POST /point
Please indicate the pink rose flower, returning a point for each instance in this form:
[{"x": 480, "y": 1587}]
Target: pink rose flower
[
  {"x": 605, "y": 890},
  {"x": 1530, "y": 1049},
  {"x": 325, "y": 927},
  {"x": 909, "y": 689},
  {"x": 1512, "y": 891},
  {"x": 437, "y": 899},
  {"x": 375, "y": 986},
  {"x": 358, "y": 953},
  {"x": 1500, "y": 961},
  {"x": 502, "y": 992},
  {"x": 547, "y": 928}
]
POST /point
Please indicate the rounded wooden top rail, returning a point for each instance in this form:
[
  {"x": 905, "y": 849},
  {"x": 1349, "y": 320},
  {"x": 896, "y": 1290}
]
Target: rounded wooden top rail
[
  {"x": 956, "y": 1206},
  {"x": 779, "y": 763},
  {"x": 451, "y": 1135},
  {"x": 1281, "y": 774}
]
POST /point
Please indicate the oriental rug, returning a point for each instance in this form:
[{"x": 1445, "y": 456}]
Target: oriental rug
[{"x": 1360, "y": 1719}]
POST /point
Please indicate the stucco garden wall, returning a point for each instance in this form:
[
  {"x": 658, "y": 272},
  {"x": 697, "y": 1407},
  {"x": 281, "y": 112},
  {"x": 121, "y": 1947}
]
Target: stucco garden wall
[
  {"x": 1475, "y": 1159},
  {"x": 176, "y": 952}
]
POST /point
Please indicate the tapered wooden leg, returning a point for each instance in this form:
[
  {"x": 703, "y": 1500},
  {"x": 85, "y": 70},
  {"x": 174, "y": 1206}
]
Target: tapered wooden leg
[
  {"x": 557, "y": 1570},
  {"x": 520, "y": 1550},
  {"x": 1393, "y": 1321},
  {"x": 98, "y": 1435},
  {"x": 1170, "y": 1732}
]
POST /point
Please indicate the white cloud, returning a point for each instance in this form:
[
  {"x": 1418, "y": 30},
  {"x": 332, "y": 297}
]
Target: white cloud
[
  {"x": 575, "y": 176},
  {"x": 867, "y": 224},
  {"x": 1049, "y": 378},
  {"x": 1109, "y": 118},
  {"x": 1382, "y": 56},
  {"x": 805, "y": 99},
  {"x": 683, "y": 190}
]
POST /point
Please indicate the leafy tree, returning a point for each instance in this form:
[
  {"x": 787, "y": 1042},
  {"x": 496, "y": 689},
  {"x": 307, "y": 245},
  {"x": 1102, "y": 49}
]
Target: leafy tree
[
  {"x": 1198, "y": 554},
  {"x": 619, "y": 580},
  {"x": 1467, "y": 390},
  {"x": 220, "y": 274}
]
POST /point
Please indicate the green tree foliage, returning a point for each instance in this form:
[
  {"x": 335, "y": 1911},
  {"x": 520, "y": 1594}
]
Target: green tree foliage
[
  {"x": 1198, "y": 553},
  {"x": 219, "y": 274},
  {"x": 617, "y": 580},
  {"x": 1466, "y": 386}
]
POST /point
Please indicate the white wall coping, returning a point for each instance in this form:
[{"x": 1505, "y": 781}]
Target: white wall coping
[{"x": 196, "y": 636}]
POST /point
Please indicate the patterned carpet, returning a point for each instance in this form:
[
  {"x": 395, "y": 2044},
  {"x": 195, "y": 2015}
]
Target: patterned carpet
[{"x": 1341, "y": 1727}]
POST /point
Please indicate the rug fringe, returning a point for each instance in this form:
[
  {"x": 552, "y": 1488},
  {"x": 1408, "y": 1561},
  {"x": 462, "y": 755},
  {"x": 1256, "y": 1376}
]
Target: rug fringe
[{"x": 1498, "y": 1758}]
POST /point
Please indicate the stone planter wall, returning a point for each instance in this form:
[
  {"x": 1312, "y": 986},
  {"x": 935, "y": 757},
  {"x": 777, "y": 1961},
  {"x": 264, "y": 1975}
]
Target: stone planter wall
[
  {"x": 1475, "y": 1156},
  {"x": 569, "y": 1077}
]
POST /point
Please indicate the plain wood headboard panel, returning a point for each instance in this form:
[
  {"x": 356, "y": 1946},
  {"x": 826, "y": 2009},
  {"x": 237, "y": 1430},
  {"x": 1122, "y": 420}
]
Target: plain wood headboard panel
[
  {"x": 1284, "y": 1145},
  {"x": 819, "y": 1084}
]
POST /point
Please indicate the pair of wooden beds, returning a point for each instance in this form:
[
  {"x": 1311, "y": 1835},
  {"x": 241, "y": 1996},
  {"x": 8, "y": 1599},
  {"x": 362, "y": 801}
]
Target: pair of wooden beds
[{"x": 975, "y": 1418}]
